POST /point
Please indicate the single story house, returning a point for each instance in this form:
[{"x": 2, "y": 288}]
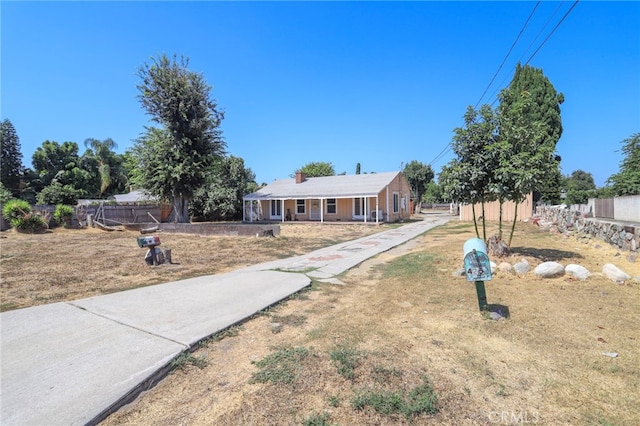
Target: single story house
[{"x": 374, "y": 197}]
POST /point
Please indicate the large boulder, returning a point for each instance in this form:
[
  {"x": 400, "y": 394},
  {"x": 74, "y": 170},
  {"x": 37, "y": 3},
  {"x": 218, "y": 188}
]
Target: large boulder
[
  {"x": 549, "y": 270},
  {"x": 614, "y": 273},
  {"x": 506, "y": 267},
  {"x": 577, "y": 271}
]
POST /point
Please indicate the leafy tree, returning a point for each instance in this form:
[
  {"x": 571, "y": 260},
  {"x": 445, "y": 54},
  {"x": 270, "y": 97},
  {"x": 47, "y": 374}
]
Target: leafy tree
[
  {"x": 5, "y": 194},
  {"x": 627, "y": 180},
  {"x": 468, "y": 178},
  {"x": 57, "y": 193},
  {"x": 579, "y": 186},
  {"x": 434, "y": 193},
  {"x": 551, "y": 185},
  {"x": 11, "y": 168},
  {"x": 418, "y": 175},
  {"x": 317, "y": 169},
  {"x": 109, "y": 164},
  {"x": 221, "y": 196},
  {"x": 530, "y": 127},
  {"x": 175, "y": 158}
]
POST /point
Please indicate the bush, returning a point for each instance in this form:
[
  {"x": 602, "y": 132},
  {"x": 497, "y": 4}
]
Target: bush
[
  {"x": 20, "y": 216},
  {"x": 63, "y": 215}
]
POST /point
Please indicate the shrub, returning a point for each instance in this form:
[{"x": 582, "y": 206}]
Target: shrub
[
  {"x": 20, "y": 216},
  {"x": 63, "y": 215}
]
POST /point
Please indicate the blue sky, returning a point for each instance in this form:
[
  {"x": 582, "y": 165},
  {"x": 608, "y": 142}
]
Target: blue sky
[{"x": 376, "y": 83}]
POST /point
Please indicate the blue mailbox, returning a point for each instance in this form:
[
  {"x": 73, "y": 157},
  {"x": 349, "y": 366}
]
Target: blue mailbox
[{"x": 476, "y": 260}]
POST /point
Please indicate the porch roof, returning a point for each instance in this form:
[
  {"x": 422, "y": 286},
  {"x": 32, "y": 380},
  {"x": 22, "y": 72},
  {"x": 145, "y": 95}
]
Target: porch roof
[{"x": 342, "y": 186}]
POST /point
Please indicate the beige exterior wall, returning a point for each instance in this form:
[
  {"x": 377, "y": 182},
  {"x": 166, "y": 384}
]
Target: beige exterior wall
[{"x": 492, "y": 210}]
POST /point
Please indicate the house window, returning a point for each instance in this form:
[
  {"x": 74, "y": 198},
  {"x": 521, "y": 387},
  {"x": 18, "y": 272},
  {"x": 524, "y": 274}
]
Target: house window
[
  {"x": 358, "y": 206},
  {"x": 331, "y": 206},
  {"x": 396, "y": 202},
  {"x": 301, "y": 207},
  {"x": 276, "y": 208}
]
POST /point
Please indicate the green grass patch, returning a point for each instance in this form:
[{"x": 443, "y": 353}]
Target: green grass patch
[
  {"x": 317, "y": 419},
  {"x": 185, "y": 359},
  {"x": 408, "y": 265},
  {"x": 280, "y": 366},
  {"x": 419, "y": 400},
  {"x": 346, "y": 359}
]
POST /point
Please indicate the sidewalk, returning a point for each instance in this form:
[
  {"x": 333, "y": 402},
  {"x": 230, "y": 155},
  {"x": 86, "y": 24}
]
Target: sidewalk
[{"x": 71, "y": 363}]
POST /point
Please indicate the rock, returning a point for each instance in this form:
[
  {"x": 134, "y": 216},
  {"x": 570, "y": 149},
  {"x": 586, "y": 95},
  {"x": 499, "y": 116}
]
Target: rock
[
  {"x": 632, "y": 257},
  {"x": 506, "y": 267},
  {"x": 493, "y": 267},
  {"x": 577, "y": 271},
  {"x": 496, "y": 316},
  {"x": 614, "y": 273},
  {"x": 276, "y": 327},
  {"x": 522, "y": 267},
  {"x": 549, "y": 270}
]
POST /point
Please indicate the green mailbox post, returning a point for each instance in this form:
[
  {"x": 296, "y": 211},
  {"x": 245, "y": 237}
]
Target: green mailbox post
[{"x": 477, "y": 267}]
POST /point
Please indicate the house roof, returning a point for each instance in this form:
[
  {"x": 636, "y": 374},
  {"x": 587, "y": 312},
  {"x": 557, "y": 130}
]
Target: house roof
[
  {"x": 134, "y": 197},
  {"x": 342, "y": 186}
]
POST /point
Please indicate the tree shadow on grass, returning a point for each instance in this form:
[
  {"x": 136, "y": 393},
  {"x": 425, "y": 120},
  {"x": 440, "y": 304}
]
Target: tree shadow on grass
[{"x": 546, "y": 255}]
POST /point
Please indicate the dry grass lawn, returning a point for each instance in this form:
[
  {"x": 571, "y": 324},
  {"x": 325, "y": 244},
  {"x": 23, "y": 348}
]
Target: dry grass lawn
[{"x": 403, "y": 330}]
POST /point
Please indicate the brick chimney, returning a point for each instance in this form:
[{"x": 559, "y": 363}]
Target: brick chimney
[{"x": 300, "y": 177}]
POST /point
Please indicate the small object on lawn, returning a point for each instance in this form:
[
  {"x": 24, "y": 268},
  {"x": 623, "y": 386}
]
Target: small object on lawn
[
  {"x": 601, "y": 340},
  {"x": 610, "y": 354},
  {"x": 148, "y": 230}
]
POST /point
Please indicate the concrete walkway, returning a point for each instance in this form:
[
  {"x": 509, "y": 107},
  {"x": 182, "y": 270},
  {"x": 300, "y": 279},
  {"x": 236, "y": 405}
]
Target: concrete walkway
[{"x": 72, "y": 363}]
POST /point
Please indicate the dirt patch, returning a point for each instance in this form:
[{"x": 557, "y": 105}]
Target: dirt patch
[
  {"x": 402, "y": 325},
  {"x": 63, "y": 264}
]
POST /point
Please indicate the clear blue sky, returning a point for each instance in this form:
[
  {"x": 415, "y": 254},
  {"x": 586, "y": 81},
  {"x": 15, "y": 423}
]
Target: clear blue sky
[{"x": 379, "y": 83}]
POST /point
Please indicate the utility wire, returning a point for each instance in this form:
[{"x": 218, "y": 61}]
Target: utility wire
[
  {"x": 508, "y": 53},
  {"x": 552, "y": 31}
]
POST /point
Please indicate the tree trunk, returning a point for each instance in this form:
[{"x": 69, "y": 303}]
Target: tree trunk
[
  {"x": 180, "y": 212},
  {"x": 513, "y": 226},
  {"x": 500, "y": 219},
  {"x": 484, "y": 223},
  {"x": 475, "y": 223}
]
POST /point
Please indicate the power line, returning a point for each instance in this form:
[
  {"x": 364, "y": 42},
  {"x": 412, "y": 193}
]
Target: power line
[
  {"x": 508, "y": 53},
  {"x": 552, "y": 31}
]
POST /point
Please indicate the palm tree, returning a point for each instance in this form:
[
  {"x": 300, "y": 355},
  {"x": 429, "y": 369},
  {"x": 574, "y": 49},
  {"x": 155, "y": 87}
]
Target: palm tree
[{"x": 103, "y": 152}]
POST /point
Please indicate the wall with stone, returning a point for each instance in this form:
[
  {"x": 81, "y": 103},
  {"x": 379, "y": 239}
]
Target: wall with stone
[{"x": 623, "y": 236}]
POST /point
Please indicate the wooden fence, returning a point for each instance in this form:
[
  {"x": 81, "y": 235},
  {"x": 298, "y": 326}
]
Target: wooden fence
[
  {"x": 492, "y": 210},
  {"x": 604, "y": 208}
]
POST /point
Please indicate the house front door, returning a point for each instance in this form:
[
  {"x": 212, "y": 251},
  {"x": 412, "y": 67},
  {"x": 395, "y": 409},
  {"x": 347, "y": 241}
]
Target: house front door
[{"x": 314, "y": 209}]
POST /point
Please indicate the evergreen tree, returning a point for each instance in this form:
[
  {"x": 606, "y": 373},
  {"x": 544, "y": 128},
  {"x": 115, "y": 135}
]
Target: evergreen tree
[
  {"x": 627, "y": 180},
  {"x": 11, "y": 169},
  {"x": 175, "y": 158}
]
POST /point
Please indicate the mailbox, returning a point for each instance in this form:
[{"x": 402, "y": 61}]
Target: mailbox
[
  {"x": 148, "y": 241},
  {"x": 476, "y": 261}
]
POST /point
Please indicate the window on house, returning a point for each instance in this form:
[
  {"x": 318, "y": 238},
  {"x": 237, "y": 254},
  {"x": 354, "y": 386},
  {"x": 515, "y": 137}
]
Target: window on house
[
  {"x": 332, "y": 207},
  {"x": 396, "y": 202},
  {"x": 276, "y": 208},
  {"x": 301, "y": 207}
]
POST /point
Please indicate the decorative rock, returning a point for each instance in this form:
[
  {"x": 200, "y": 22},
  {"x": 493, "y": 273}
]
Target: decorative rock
[
  {"x": 549, "y": 270},
  {"x": 577, "y": 271},
  {"x": 495, "y": 316},
  {"x": 493, "y": 267},
  {"x": 522, "y": 267},
  {"x": 614, "y": 273},
  {"x": 506, "y": 267}
]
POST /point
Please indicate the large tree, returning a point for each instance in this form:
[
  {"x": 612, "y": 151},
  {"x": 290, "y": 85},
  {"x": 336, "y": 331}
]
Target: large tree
[
  {"x": 175, "y": 158},
  {"x": 627, "y": 180},
  {"x": 579, "y": 186},
  {"x": 108, "y": 165},
  {"x": 11, "y": 168},
  {"x": 468, "y": 178},
  {"x": 60, "y": 163},
  {"x": 317, "y": 169},
  {"x": 419, "y": 176}
]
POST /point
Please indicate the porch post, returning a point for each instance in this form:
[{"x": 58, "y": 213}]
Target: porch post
[
  {"x": 321, "y": 211},
  {"x": 377, "y": 218},
  {"x": 251, "y": 210},
  {"x": 365, "y": 209},
  {"x": 282, "y": 210},
  {"x": 388, "y": 211}
]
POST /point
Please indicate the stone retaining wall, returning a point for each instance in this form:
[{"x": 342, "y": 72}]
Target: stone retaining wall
[
  {"x": 211, "y": 228},
  {"x": 625, "y": 236}
]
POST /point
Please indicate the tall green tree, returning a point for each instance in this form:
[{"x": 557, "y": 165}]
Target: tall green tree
[
  {"x": 220, "y": 198},
  {"x": 627, "y": 180},
  {"x": 469, "y": 178},
  {"x": 177, "y": 156},
  {"x": 109, "y": 164},
  {"x": 60, "y": 163},
  {"x": 530, "y": 127},
  {"x": 317, "y": 169},
  {"x": 579, "y": 186},
  {"x": 418, "y": 175},
  {"x": 11, "y": 168}
]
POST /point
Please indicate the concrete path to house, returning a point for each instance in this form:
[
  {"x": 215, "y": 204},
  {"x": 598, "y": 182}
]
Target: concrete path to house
[{"x": 73, "y": 363}]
